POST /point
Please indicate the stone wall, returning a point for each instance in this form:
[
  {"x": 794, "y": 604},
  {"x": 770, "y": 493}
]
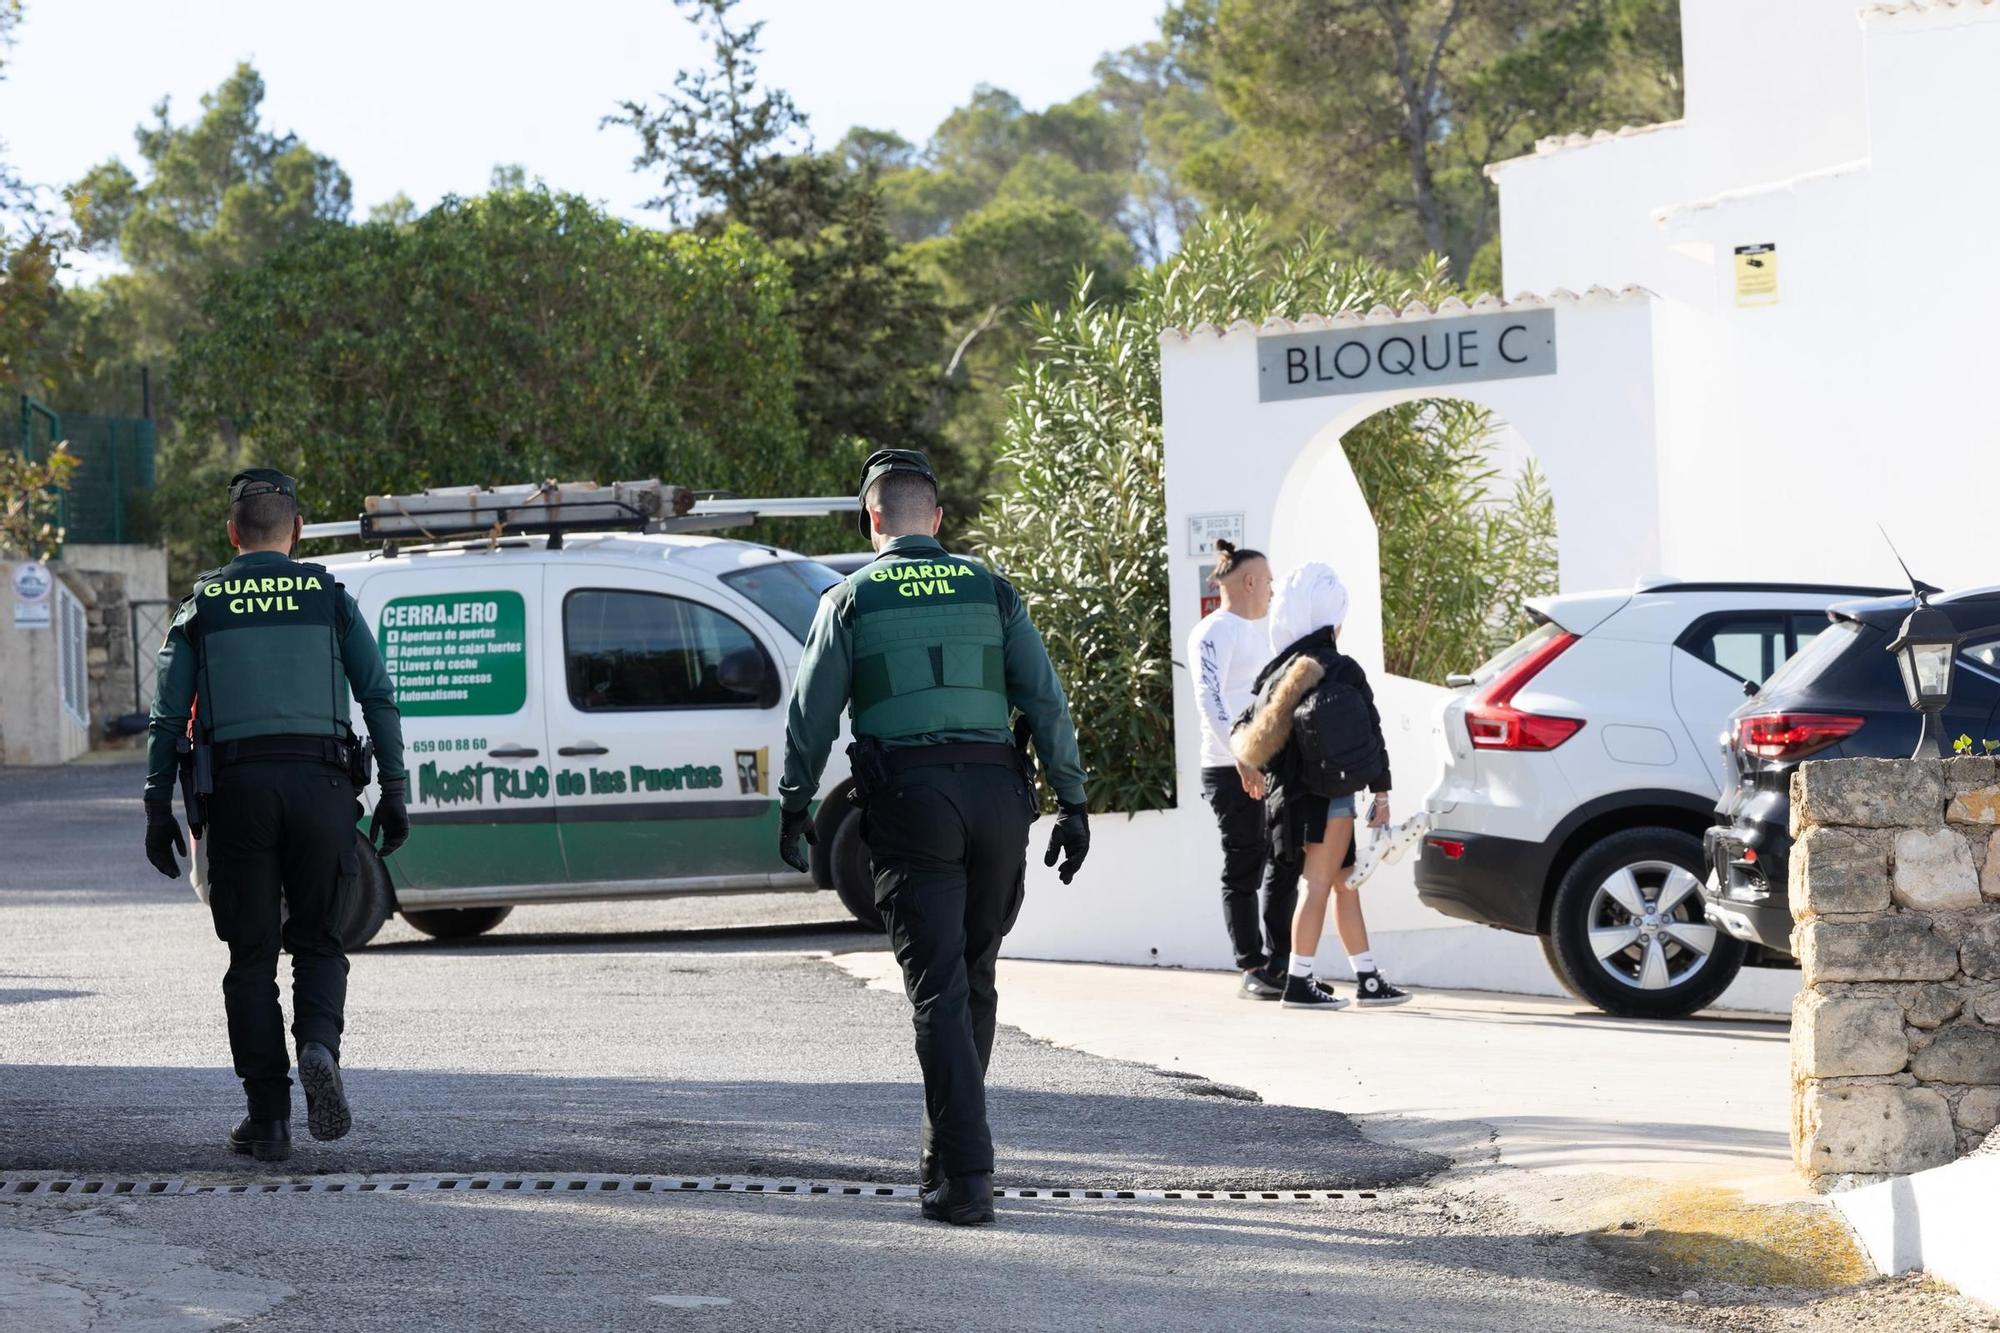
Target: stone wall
[{"x": 1895, "y": 889}]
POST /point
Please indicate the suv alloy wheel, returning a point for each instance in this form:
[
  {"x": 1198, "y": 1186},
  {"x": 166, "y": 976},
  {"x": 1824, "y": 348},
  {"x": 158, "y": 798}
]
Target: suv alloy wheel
[{"x": 1628, "y": 933}]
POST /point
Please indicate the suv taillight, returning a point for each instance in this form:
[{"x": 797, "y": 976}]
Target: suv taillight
[
  {"x": 1495, "y": 724},
  {"x": 1791, "y": 735}
]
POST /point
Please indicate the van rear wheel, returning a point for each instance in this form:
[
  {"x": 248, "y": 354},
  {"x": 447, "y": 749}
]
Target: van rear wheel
[
  {"x": 456, "y": 923},
  {"x": 853, "y": 876},
  {"x": 1628, "y": 933}
]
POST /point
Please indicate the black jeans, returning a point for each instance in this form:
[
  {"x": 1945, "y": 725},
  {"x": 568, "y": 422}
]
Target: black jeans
[
  {"x": 281, "y": 833},
  {"x": 1246, "y": 859},
  {"x": 949, "y": 845}
]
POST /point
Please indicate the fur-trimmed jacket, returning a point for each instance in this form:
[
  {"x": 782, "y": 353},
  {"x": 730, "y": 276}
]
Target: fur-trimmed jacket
[{"x": 1262, "y": 736}]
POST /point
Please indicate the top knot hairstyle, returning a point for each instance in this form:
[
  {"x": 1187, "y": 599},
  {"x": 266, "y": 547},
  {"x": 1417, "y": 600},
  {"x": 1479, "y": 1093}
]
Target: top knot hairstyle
[{"x": 1229, "y": 558}]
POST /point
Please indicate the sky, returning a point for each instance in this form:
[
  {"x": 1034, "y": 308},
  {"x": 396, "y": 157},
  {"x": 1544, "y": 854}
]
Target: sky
[{"x": 426, "y": 96}]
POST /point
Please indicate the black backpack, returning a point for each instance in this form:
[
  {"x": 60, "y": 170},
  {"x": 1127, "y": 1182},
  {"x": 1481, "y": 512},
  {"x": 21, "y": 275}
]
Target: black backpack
[{"x": 1334, "y": 733}]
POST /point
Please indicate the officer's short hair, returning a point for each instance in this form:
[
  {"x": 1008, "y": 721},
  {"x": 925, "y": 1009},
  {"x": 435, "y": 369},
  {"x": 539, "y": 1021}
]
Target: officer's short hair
[
  {"x": 264, "y": 518},
  {"x": 904, "y": 499}
]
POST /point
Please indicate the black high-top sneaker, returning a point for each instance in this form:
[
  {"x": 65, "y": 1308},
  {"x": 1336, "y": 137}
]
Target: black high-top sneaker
[
  {"x": 1371, "y": 992},
  {"x": 1307, "y": 993},
  {"x": 265, "y": 1140},
  {"x": 327, "y": 1115}
]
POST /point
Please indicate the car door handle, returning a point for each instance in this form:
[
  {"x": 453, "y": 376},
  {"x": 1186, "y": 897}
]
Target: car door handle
[
  {"x": 513, "y": 752},
  {"x": 571, "y": 751}
]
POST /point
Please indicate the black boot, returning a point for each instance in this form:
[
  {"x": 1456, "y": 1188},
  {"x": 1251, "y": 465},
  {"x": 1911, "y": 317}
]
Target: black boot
[
  {"x": 265, "y": 1140},
  {"x": 327, "y": 1115},
  {"x": 928, "y": 1175},
  {"x": 963, "y": 1201}
]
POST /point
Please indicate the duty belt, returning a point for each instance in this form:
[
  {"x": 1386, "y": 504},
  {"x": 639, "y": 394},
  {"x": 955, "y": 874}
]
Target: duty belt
[
  {"x": 322, "y": 748},
  {"x": 958, "y": 752}
]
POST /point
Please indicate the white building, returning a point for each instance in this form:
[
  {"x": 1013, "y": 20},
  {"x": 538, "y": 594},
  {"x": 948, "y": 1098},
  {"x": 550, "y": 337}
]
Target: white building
[
  {"x": 1858, "y": 141},
  {"x": 1706, "y": 416}
]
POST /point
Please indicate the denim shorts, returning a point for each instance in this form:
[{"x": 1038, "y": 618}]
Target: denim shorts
[{"x": 1319, "y": 809}]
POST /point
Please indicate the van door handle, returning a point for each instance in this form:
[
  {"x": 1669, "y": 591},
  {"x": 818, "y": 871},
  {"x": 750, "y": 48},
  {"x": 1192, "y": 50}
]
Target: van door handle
[
  {"x": 571, "y": 751},
  {"x": 513, "y": 752}
]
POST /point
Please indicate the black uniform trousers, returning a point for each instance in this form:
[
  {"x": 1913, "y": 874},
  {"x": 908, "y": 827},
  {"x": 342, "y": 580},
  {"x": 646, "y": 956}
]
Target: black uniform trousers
[
  {"x": 281, "y": 834},
  {"x": 1246, "y": 858},
  {"x": 949, "y": 846}
]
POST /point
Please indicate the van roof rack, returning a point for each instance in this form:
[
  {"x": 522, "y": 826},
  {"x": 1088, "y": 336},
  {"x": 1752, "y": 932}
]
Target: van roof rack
[{"x": 446, "y": 513}]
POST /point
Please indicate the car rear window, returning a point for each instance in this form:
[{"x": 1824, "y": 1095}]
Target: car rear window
[
  {"x": 1814, "y": 657},
  {"x": 785, "y": 590},
  {"x": 1515, "y": 651}
]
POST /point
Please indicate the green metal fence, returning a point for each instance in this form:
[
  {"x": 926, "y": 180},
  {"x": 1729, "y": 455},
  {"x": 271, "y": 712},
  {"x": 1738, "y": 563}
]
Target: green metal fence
[{"x": 114, "y": 469}]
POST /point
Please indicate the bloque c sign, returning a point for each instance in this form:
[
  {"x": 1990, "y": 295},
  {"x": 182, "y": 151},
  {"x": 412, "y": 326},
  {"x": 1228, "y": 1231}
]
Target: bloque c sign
[{"x": 1415, "y": 353}]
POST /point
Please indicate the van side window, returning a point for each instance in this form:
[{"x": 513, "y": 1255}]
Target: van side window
[{"x": 640, "y": 650}]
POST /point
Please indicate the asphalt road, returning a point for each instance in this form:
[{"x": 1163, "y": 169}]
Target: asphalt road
[{"x": 700, "y": 1038}]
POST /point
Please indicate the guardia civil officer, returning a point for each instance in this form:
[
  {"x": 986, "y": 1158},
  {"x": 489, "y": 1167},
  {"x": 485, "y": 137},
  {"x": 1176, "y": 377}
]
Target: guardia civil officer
[
  {"x": 263, "y": 655},
  {"x": 932, "y": 652}
]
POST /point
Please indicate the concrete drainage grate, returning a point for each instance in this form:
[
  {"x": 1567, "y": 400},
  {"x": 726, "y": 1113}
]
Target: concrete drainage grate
[
  {"x": 40, "y": 1189},
  {"x": 533, "y": 1184}
]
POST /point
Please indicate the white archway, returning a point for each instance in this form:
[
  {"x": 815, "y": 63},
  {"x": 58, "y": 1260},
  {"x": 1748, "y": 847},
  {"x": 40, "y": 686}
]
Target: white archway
[{"x": 1279, "y": 466}]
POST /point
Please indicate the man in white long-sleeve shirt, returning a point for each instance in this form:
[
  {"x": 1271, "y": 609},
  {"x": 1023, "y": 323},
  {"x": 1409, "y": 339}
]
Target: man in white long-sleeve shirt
[{"x": 1225, "y": 653}]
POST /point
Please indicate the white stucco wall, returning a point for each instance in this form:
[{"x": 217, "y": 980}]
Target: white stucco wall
[
  {"x": 1788, "y": 432},
  {"x": 34, "y": 726}
]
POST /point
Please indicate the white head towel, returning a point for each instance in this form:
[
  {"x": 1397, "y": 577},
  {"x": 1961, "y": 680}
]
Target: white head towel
[{"x": 1308, "y": 598}]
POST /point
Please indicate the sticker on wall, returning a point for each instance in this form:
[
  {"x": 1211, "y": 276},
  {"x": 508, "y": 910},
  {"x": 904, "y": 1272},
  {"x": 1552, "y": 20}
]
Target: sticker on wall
[
  {"x": 456, "y": 654},
  {"x": 1757, "y": 274},
  {"x": 1211, "y": 596},
  {"x": 32, "y": 583},
  {"x": 1205, "y": 529}
]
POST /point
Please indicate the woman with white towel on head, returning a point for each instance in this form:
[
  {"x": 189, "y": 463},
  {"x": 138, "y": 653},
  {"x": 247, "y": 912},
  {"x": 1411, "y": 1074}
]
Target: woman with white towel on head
[{"x": 1343, "y": 727}]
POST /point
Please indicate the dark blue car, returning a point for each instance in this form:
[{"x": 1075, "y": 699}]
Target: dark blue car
[{"x": 1841, "y": 697}]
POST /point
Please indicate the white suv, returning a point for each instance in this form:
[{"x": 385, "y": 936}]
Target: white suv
[{"x": 1581, "y": 767}]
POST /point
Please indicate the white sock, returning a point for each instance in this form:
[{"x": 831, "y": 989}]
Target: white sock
[
  {"x": 1361, "y": 962},
  {"x": 1302, "y": 964}
]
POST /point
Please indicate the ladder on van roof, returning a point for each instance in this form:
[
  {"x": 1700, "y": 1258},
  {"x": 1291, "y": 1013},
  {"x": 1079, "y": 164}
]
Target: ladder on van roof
[{"x": 450, "y": 513}]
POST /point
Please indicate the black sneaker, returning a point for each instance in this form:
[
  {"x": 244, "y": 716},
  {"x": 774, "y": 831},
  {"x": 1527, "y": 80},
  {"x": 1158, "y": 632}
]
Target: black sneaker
[
  {"x": 1258, "y": 985},
  {"x": 1307, "y": 993},
  {"x": 327, "y": 1115},
  {"x": 1371, "y": 992}
]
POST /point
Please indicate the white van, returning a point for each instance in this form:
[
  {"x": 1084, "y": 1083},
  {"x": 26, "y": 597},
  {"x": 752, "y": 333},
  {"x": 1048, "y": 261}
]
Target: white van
[{"x": 590, "y": 715}]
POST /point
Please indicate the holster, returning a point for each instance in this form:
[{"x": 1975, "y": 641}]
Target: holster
[
  {"x": 870, "y": 765},
  {"x": 197, "y": 775},
  {"x": 360, "y": 761}
]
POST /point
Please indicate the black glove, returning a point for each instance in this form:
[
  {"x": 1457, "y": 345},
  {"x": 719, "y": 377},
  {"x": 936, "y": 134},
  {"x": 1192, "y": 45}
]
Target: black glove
[
  {"x": 790, "y": 827},
  {"x": 163, "y": 838},
  {"x": 392, "y": 816},
  {"x": 1071, "y": 837}
]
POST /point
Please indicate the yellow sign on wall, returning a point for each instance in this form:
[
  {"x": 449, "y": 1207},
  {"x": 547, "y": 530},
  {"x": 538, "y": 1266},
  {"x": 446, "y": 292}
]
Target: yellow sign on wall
[{"x": 1757, "y": 274}]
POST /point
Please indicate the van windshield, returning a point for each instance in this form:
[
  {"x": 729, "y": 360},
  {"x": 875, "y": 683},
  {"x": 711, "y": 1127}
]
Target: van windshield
[{"x": 785, "y": 590}]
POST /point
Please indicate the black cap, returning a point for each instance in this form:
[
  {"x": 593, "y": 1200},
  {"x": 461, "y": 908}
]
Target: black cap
[
  {"x": 261, "y": 481},
  {"x": 885, "y": 461}
]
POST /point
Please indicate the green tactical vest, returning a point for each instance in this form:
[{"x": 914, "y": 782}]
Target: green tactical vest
[
  {"x": 268, "y": 639},
  {"x": 927, "y": 647}
]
